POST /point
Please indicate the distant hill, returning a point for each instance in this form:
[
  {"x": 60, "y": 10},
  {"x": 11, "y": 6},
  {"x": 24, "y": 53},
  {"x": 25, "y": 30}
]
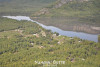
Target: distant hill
[
  {"x": 4, "y": 0},
  {"x": 22, "y": 7},
  {"x": 84, "y": 9}
]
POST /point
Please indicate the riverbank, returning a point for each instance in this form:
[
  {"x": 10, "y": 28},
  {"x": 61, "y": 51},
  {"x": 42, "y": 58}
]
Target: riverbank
[{"x": 91, "y": 37}]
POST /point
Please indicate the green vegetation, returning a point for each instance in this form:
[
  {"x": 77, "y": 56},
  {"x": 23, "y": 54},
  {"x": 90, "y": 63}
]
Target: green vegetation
[
  {"x": 87, "y": 11},
  {"x": 23, "y": 42},
  {"x": 22, "y": 7}
]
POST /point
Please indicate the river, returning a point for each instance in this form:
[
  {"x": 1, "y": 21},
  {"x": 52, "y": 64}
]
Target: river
[{"x": 81, "y": 35}]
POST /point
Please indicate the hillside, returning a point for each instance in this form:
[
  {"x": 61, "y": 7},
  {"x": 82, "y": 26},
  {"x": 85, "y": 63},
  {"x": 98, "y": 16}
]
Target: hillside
[
  {"x": 85, "y": 10},
  {"x": 22, "y": 7},
  {"x": 24, "y": 42},
  {"x": 27, "y": 44}
]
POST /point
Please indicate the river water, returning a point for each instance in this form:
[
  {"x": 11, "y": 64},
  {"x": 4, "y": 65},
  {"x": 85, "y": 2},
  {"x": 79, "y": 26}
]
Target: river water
[{"x": 85, "y": 36}]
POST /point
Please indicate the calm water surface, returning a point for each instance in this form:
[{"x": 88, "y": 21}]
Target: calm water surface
[{"x": 82, "y": 31}]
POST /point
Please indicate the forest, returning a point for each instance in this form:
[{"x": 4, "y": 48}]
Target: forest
[{"x": 24, "y": 42}]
